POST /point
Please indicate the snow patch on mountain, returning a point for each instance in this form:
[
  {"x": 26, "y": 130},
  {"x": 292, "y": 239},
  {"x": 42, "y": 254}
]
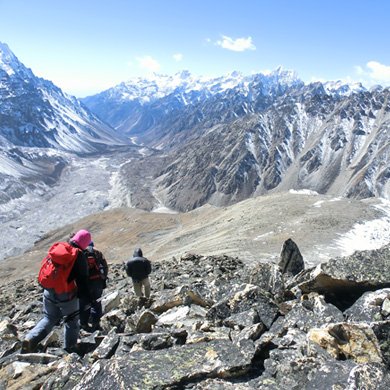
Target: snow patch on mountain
[{"x": 367, "y": 235}]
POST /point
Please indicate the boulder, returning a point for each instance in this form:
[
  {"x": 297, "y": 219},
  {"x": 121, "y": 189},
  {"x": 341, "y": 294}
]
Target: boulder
[
  {"x": 168, "y": 367},
  {"x": 106, "y": 348},
  {"x": 348, "y": 341},
  {"x": 110, "y": 301},
  {"x": 269, "y": 278},
  {"x": 369, "y": 307},
  {"x": 344, "y": 279},
  {"x": 145, "y": 322},
  {"x": 115, "y": 318},
  {"x": 291, "y": 261},
  {"x": 249, "y": 297}
]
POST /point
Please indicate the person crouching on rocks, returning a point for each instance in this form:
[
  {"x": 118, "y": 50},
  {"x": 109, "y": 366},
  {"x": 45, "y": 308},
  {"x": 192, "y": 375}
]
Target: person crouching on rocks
[
  {"x": 139, "y": 269},
  {"x": 64, "y": 278},
  {"x": 98, "y": 270}
]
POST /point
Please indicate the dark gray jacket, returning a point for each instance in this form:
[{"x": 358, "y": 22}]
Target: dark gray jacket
[{"x": 138, "y": 267}]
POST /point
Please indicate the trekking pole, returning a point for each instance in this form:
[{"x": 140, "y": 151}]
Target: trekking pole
[{"x": 77, "y": 312}]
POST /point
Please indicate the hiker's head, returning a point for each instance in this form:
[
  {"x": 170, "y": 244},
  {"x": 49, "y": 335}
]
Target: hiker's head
[
  {"x": 82, "y": 239},
  {"x": 137, "y": 252},
  {"x": 90, "y": 247}
]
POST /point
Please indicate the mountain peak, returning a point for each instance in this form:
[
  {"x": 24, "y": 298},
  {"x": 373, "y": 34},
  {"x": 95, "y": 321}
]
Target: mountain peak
[{"x": 10, "y": 64}]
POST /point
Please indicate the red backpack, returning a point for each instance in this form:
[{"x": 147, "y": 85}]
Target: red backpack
[
  {"x": 56, "y": 266},
  {"x": 95, "y": 266}
]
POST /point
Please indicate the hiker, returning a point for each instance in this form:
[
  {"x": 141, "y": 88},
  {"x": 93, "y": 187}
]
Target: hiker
[
  {"x": 98, "y": 270},
  {"x": 139, "y": 268},
  {"x": 64, "y": 278}
]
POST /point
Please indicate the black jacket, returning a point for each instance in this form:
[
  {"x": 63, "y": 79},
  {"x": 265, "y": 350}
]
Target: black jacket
[
  {"x": 79, "y": 273},
  {"x": 138, "y": 267}
]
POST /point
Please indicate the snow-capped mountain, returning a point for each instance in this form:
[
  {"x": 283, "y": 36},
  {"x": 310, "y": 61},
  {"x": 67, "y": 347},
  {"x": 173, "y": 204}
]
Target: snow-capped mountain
[
  {"x": 34, "y": 112},
  {"x": 231, "y": 138},
  {"x": 146, "y": 108},
  {"x": 39, "y": 126}
]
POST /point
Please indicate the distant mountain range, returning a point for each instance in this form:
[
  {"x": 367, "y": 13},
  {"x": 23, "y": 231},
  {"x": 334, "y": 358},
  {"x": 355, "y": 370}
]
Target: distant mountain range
[
  {"x": 215, "y": 140},
  {"x": 226, "y": 139},
  {"x": 39, "y": 126}
]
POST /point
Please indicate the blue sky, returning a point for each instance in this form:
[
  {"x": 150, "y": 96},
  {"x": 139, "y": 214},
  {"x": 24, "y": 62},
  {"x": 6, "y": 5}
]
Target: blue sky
[{"x": 86, "y": 46}]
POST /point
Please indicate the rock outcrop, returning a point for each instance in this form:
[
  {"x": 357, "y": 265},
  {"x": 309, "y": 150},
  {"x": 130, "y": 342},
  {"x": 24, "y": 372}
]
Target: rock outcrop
[{"x": 213, "y": 323}]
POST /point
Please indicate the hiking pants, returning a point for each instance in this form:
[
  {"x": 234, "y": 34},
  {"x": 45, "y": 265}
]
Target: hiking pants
[
  {"x": 91, "y": 310},
  {"x": 138, "y": 287},
  {"x": 55, "y": 307}
]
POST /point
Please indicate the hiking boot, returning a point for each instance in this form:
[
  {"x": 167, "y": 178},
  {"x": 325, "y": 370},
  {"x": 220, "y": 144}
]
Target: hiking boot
[
  {"x": 28, "y": 346},
  {"x": 85, "y": 327},
  {"x": 95, "y": 327}
]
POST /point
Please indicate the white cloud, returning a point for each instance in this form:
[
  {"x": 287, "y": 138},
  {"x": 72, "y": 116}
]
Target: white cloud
[
  {"x": 239, "y": 44},
  {"x": 374, "y": 73},
  {"x": 379, "y": 71},
  {"x": 178, "y": 57},
  {"x": 149, "y": 63}
]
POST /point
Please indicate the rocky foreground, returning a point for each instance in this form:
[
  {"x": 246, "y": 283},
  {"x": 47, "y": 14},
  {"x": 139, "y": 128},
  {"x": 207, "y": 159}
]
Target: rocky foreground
[{"x": 214, "y": 323}]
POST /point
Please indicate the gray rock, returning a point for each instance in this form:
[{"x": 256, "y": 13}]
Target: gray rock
[
  {"x": 242, "y": 320},
  {"x": 291, "y": 260},
  {"x": 368, "y": 307},
  {"x": 312, "y": 311},
  {"x": 67, "y": 374},
  {"x": 347, "y": 375},
  {"x": 269, "y": 278},
  {"x": 145, "y": 322},
  {"x": 382, "y": 333},
  {"x": 164, "y": 368},
  {"x": 110, "y": 301},
  {"x": 114, "y": 319},
  {"x": 106, "y": 348},
  {"x": 249, "y": 297},
  {"x": 37, "y": 358},
  {"x": 344, "y": 279}
]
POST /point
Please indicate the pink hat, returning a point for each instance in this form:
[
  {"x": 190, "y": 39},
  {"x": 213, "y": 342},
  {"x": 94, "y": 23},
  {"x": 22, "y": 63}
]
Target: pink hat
[{"x": 82, "y": 239}]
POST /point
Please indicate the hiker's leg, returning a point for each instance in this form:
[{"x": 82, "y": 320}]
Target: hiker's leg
[
  {"x": 52, "y": 316},
  {"x": 146, "y": 284},
  {"x": 85, "y": 311},
  {"x": 96, "y": 309},
  {"x": 71, "y": 325},
  {"x": 137, "y": 288}
]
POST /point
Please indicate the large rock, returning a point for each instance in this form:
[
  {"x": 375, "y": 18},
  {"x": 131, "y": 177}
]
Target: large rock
[
  {"x": 291, "y": 261},
  {"x": 344, "y": 279},
  {"x": 382, "y": 333},
  {"x": 145, "y": 322},
  {"x": 369, "y": 307},
  {"x": 247, "y": 298},
  {"x": 164, "y": 368},
  {"x": 269, "y": 278},
  {"x": 348, "y": 341},
  {"x": 312, "y": 311}
]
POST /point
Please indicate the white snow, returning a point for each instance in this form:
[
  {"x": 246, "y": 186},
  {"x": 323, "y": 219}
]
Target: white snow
[
  {"x": 303, "y": 192},
  {"x": 367, "y": 235}
]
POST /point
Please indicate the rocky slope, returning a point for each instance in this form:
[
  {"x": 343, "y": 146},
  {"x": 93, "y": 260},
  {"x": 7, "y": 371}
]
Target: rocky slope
[
  {"x": 213, "y": 323},
  {"x": 306, "y": 139},
  {"x": 322, "y": 226},
  {"x": 226, "y": 139}
]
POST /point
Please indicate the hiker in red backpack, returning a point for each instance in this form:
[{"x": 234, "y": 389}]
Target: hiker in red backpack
[
  {"x": 98, "y": 270},
  {"x": 64, "y": 278}
]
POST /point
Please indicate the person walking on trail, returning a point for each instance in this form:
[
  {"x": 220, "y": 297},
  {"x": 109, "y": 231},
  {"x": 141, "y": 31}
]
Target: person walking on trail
[
  {"x": 64, "y": 278},
  {"x": 98, "y": 270},
  {"x": 139, "y": 269}
]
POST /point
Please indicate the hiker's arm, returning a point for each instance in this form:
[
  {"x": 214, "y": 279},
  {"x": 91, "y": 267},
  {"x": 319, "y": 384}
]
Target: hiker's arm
[
  {"x": 148, "y": 267},
  {"x": 81, "y": 275},
  {"x": 105, "y": 266}
]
